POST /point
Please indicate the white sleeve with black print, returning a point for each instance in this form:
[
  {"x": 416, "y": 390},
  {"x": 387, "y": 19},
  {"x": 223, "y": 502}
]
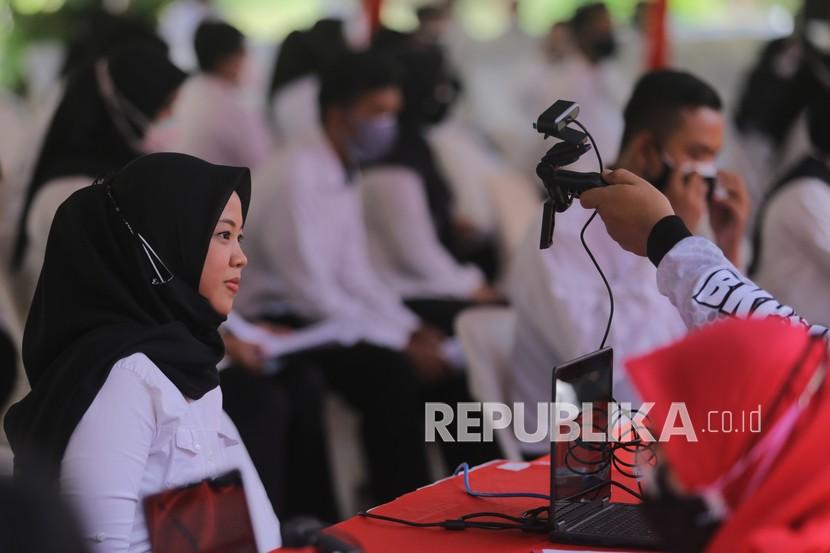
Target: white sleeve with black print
[{"x": 704, "y": 286}]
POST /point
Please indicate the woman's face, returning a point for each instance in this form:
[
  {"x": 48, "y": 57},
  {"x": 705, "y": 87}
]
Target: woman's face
[{"x": 225, "y": 259}]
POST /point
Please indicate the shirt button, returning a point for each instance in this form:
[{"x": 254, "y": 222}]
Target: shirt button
[
  {"x": 100, "y": 537},
  {"x": 197, "y": 447}
]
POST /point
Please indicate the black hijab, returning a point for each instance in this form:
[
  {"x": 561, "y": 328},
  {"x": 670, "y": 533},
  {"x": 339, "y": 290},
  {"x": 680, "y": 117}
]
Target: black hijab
[
  {"x": 429, "y": 90},
  {"x": 308, "y": 52},
  {"x": 83, "y": 138},
  {"x": 96, "y": 302}
]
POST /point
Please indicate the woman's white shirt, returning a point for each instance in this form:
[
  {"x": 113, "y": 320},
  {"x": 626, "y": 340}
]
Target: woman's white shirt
[{"x": 139, "y": 436}]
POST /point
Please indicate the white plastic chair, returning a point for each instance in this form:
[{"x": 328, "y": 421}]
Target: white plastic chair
[{"x": 486, "y": 334}]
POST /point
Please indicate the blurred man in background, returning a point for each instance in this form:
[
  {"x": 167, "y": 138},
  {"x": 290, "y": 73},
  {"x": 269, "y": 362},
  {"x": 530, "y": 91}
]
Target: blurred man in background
[
  {"x": 673, "y": 132},
  {"x": 308, "y": 257},
  {"x": 791, "y": 73},
  {"x": 212, "y": 120}
]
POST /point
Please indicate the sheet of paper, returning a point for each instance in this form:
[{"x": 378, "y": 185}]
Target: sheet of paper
[
  {"x": 323, "y": 334},
  {"x": 277, "y": 345},
  {"x": 514, "y": 466}
]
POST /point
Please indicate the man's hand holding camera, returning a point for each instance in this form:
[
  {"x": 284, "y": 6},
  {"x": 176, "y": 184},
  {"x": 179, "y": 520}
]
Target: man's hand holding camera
[{"x": 630, "y": 207}]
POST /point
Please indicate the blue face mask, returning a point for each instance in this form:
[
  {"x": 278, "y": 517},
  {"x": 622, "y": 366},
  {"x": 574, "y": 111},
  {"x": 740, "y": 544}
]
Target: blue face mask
[{"x": 374, "y": 138}]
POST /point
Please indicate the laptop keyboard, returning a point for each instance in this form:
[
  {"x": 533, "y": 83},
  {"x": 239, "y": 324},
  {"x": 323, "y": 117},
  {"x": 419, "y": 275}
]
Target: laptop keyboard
[{"x": 608, "y": 520}]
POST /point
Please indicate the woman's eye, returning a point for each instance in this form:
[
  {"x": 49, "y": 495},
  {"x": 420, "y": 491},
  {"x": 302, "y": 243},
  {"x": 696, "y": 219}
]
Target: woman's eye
[
  {"x": 225, "y": 235},
  {"x": 241, "y": 237}
]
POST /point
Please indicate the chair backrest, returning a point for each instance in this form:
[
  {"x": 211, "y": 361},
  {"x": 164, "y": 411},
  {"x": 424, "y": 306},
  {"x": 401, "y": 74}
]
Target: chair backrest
[{"x": 486, "y": 335}]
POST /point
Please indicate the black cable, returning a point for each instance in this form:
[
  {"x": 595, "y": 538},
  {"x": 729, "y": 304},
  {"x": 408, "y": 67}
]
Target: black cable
[
  {"x": 530, "y": 521},
  {"x": 591, "y": 467},
  {"x": 455, "y": 524},
  {"x": 585, "y": 244}
]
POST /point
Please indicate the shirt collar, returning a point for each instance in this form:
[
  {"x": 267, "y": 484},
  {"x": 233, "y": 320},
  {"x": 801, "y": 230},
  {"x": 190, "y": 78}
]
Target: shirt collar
[{"x": 334, "y": 166}]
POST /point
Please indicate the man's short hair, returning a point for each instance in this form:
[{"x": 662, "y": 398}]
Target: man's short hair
[
  {"x": 584, "y": 16},
  {"x": 658, "y": 99},
  {"x": 216, "y": 41},
  {"x": 353, "y": 75}
]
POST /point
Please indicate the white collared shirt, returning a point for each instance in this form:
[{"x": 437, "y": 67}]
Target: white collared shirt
[
  {"x": 795, "y": 255},
  {"x": 402, "y": 240},
  {"x": 213, "y": 123},
  {"x": 307, "y": 248},
  {"x": 562, "y": 308},
  {"x": 140, "y": 436}
]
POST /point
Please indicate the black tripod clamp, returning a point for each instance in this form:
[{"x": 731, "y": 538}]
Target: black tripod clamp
[{"x": 562, "y": 185}]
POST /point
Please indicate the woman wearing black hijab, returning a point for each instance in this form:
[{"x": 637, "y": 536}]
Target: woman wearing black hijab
[
  {"x": 121, "y": 345},
  {"x": 99, "y": 126}
]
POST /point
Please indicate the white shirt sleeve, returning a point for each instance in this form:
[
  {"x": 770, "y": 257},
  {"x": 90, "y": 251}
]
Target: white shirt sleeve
[
  {"x": 399, "y": 224},
  {"x": 705, "y": 286},
  {"x": 390, "y": 322},
  {"x": 105, "y": 459}
]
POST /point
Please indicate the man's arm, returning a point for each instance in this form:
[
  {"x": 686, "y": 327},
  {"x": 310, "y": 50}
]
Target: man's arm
[
  {"x": 703, "y": 285},
  {"x": 692, "y": 272}
]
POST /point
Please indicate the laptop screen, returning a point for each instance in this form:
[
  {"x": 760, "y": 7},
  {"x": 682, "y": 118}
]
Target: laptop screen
[{"x": 582, "y": 393}]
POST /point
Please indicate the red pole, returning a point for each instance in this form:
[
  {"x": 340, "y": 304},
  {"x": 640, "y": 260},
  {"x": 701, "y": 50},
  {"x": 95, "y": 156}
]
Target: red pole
[
  {"x": 657, "y": 51},
  {"x": 372, "y": 8}
]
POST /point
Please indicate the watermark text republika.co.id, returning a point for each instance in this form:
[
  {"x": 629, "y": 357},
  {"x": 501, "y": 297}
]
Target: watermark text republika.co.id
[{"x": 588, "y": 422}]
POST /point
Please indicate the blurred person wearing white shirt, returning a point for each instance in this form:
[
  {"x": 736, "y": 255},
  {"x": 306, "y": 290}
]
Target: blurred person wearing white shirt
[
  {"x": 177, "y": 26},
  {"x": 309, "y": 258},
  {"x": 211, "y": 118},
  {"x": 582, "y": 68},
  {"x": 403, "y": 243},
  {"x": 674, "y": 129},
  {"x": 792, "y": 236}
]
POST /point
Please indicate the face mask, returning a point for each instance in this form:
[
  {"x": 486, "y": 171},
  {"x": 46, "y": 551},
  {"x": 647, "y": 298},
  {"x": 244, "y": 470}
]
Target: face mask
[
  {"x": 374, "y": 138},
  {"x": 603, "y": 47},
  {"x": 706, "y": 169}
]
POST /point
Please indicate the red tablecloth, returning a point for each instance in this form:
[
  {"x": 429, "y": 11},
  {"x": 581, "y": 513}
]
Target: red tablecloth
[{"x": 447, "y": 499}]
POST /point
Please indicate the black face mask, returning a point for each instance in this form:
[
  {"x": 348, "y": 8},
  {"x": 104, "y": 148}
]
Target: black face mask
[
  {"x": 661, "y": 181},
  {"x": 684, "y": 522},
  {"x": 603, "y": 47}
]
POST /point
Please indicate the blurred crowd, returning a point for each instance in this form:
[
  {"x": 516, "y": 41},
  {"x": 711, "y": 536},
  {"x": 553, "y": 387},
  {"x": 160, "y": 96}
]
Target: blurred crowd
[{"x": 392, "y": 240}]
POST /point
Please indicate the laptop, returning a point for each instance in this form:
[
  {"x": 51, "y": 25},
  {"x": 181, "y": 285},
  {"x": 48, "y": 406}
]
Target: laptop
[{"x": 581, "y": 469}]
